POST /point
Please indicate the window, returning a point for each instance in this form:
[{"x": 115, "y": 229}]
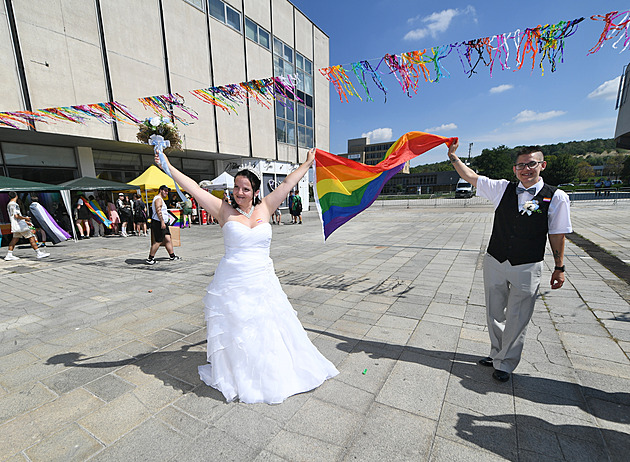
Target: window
[
  {"x": 256, "y": 33},
  {"x": 305, "y": 74},
  {"x": 285, "y": 120},
  {"x": 305, "y": 93},
  {"x": 292, "y": 116},
  {"x": 224, "y": 13},
  {"x": 282, "y": 59},
  {"x": 196, "y": 3}
]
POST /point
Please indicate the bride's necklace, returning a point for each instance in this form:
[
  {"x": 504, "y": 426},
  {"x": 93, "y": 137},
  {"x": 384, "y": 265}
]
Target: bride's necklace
[{"x": 247, "y": 214}]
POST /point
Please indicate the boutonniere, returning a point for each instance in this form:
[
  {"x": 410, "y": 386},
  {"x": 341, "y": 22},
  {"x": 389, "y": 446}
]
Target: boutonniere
[{"x": 530, "y": 207}]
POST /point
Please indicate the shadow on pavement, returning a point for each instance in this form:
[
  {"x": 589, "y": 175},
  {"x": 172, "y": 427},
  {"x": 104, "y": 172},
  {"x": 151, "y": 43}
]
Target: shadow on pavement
[
  {"x": 175, "y": 368},
  {"x": 542, "y": 440},
  {"x": 612, "y": 407}
]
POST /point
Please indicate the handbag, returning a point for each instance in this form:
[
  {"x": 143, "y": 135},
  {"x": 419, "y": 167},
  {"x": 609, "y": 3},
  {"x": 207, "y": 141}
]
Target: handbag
[{"x": 22, "y": 226}]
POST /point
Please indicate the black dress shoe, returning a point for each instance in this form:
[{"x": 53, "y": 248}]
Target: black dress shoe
[
  {"x": 501, "y": 376},
  {"x": 487, "y": 361}
]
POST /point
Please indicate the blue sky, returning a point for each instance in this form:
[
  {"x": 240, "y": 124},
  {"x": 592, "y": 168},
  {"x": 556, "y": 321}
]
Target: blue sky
[{"x": 577, "y": 102}]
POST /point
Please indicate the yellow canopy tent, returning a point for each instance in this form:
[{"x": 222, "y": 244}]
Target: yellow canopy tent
[{"x": 153, "y": 178}]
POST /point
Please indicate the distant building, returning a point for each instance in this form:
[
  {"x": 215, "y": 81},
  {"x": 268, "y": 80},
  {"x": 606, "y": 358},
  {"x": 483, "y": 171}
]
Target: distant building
[{"x": 361, "y": 150}]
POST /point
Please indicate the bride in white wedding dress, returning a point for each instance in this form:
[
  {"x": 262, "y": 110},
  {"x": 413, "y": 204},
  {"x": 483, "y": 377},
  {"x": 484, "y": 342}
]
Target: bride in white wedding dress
[{"x": 258, "y": 352}]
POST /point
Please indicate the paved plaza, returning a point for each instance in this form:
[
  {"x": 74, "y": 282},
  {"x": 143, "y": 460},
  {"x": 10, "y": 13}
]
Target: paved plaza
[{"x": 99, "y": 352}]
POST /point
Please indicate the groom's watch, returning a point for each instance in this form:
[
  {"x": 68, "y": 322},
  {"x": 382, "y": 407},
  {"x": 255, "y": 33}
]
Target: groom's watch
[{"x": 559, "y": 268}]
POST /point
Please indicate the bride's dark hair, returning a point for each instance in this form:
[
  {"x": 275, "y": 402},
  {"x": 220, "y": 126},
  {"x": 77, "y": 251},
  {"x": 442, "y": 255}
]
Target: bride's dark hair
[{"x": 254, "y": 181}]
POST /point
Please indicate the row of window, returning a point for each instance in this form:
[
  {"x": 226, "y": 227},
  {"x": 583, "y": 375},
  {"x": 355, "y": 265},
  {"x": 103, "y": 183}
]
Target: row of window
[{"x": 292, "y": 117}]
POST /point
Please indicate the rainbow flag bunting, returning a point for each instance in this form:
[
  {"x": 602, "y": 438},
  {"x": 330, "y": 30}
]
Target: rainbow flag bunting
[{"x": 344, "y": 188}]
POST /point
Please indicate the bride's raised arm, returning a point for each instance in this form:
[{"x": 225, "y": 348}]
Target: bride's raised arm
[
  {"x": 209, "y": 202},
  {"x": 273, "y": 200}
]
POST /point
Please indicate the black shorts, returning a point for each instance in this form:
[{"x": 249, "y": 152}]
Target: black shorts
[
  {"x": 157, "y": 231},
  {"x": 84, "y": 213}
]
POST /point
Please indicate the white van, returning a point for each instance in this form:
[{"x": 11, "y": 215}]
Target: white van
[{"x": 464, "y": 189}]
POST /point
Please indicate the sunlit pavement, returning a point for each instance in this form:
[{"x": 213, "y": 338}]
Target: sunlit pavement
[{"x": 99, "y": 352}]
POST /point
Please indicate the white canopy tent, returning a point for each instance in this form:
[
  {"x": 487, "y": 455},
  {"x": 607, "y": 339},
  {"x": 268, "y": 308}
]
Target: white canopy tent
[{"x": 223, "y": 181}]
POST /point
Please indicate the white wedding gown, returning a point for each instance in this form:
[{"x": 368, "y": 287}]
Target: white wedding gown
[{"x": 258, "y": 351}]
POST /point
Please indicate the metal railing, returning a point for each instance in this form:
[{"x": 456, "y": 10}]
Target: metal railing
[{"x": 611, "y": 196}]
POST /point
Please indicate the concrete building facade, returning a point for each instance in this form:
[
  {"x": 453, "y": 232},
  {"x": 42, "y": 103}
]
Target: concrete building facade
[{"x": 67, "y": 52}]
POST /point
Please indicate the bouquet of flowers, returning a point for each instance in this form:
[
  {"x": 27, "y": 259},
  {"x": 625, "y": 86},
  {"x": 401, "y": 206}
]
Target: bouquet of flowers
[
  {"x": 159, "y": 126},
  {"x": 530, "y": 207}
]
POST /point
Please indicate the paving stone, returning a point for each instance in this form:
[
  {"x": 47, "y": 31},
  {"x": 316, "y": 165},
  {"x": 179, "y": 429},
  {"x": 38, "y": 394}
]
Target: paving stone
[
  {"x": 153, "y": 440},
  {"x": 325, "y": 422},
  {"x": 33, "y": 396},
  {"x": 71, "y": 443},
  {"x": 109, "y": 387},
  {"x": 297, "y": 446},
  {"x": 27, "y": 429},
  {"x": 390, "y": 434}
]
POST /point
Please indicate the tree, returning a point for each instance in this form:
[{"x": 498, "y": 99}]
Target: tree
[
  {"x": 584, "y": 171},
  {"x": 614, "y": 165},
  {"x": 560, "y": 169},
  {"x": 495, "y": 163}
]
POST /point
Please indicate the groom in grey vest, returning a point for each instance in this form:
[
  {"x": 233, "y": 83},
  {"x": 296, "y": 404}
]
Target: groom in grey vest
[{"x": 525, "y": 214}]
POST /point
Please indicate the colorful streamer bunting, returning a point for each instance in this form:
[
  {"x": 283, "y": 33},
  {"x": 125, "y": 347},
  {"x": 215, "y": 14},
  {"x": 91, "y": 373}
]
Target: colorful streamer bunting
[
  {"x": 262, "y": 91},
  {"x": 541, "y": 44},
  {"x": 163, "y": 106},
  {"x": 344, "y": 188}
]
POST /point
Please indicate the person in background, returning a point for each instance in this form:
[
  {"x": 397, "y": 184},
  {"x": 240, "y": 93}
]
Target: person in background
[
  {"x": 124, "y": 211},
  {"x": 186, "y": 212},
  {"x": 296, "y": 208},
  {"x": 81, "y": 219},
  {"x": 112, "y": 215},
  {"x": 140, "y": 215},
  {"x": 99, "y": 228},
  {"x": 159, "y": 226},
  {"x": 21, "y": 228}
]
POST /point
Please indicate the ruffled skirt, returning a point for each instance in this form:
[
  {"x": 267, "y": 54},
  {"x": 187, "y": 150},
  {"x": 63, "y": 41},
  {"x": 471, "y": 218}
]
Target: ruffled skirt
[{"x": 257, "y": 349}]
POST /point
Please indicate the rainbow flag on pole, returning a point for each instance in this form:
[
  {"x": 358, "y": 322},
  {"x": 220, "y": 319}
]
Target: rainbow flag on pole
[{"x": 344, "y": 188}]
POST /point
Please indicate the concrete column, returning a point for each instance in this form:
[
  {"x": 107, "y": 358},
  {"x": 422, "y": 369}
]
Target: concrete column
[{"x": 85, "y": 161}]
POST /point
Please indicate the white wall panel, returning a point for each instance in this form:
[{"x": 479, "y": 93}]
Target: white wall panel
[{"x": 10, "y": 93}]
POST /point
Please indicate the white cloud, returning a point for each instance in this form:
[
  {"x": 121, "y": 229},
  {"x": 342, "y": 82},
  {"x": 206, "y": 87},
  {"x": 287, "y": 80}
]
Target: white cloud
[
  {"x": 437, "y": 22},
  {"x": 533, "y": 116},
  {"x": 441, "y": 128},
  {"x": 378, "y": 135},
  {"x": 501, "y": 88},
  {"x": 607, "y": 90}
]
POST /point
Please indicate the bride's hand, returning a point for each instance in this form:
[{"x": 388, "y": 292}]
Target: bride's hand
[{"x": 156, "y": 159}]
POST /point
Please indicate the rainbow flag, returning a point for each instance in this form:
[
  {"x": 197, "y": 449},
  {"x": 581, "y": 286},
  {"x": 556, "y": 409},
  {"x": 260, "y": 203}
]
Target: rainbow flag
[{"x": 344, "y": 188}]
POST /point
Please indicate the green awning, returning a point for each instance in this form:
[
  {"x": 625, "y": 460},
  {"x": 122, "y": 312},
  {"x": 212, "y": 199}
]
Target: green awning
[
  {"x": 96, "y": 184},
  {"x": 14, "y": 184}
]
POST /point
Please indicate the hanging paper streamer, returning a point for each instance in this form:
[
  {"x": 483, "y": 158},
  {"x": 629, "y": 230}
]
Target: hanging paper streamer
[
  {"x": 262, "y": 91},
  {"x": 473, "y": 52},
  {"x": 612, "y": 30},
  {"x": 344, "y": 188},
  {"x": 416, "y": 63},
  {"x": 401, "y": 71},
  {"x": 338, "y": 77},
  {"x": 547, "y": 40},
  {"x": 163, "y": 106},
  {"x": 360, "y": 69}
]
